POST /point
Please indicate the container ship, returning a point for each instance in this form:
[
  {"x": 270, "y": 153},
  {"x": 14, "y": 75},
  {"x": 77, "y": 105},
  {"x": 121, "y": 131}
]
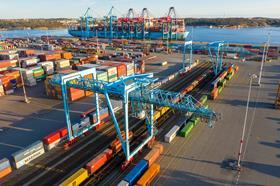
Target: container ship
[{"x": 131, "y": 26}]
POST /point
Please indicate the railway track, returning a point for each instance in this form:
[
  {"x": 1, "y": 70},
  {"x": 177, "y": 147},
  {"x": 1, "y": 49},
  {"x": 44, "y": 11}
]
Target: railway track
[
  {"x": 112, "y": 165},
  {"x": 71, "y": 160}
]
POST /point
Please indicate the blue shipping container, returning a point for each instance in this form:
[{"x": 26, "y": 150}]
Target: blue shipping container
[{"x": 136, "y": 172}]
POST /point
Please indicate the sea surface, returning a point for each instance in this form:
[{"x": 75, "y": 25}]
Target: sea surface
[{"x": 199, "y": 34}]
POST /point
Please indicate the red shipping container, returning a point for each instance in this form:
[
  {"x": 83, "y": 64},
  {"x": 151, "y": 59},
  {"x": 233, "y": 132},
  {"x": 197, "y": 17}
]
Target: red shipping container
[
  {"x": 99, "y": 161},
  {"x": 63, "y": 132},
  {"x": 49, "y": 139}
]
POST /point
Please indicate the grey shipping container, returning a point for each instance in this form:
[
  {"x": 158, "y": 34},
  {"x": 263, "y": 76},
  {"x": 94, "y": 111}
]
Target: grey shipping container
[{"x": 29, "y": 150}]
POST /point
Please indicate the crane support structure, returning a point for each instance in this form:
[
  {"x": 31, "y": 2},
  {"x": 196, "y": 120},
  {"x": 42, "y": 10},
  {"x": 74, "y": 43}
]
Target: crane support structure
[
  {"x": 216, "y": 53},
  {"x": 136, "y": 88}
]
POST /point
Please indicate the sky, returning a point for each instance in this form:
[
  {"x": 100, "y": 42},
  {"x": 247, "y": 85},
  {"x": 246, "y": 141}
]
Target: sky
[{"x": 11, "y": 9}]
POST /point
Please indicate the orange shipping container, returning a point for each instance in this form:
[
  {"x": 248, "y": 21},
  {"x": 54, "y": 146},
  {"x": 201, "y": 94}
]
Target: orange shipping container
[
  {"x": 67, "y": 55},
  {"x": 5, "y": 172},
  {"x": 152, "y": 156},
  {"x": 214, "y": 93},
  {"x": 149, "y": 175},
  {"x": 121, "y": 68}
]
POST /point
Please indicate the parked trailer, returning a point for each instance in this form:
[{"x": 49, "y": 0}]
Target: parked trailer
[
  {"x": 136, "y": 172},
  {"x": 76, "y": 179},
  {"x": 26, "y": 155},
  {"x": 5, "y": 167},
  {"x": 171, "y": 134},
  {"x": 187, "y": 129},
  {"x": 149, "y": 175}
]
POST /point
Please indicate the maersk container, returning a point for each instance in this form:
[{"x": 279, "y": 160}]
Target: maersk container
[
  {"x": 136, "y": 172},
  {"x": 28, "y": 154}
]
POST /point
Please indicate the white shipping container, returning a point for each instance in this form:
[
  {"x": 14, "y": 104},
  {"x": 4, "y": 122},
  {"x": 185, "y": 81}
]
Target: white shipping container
[
  {"x": 110, "y": 70},
  {"x": 46, "y": 63},
  {"x": 171, "y": 134},
  {"x": 62, "y": 63},
  {"x": 123, "y": 183},
  {"x": 52, "y": 145}
]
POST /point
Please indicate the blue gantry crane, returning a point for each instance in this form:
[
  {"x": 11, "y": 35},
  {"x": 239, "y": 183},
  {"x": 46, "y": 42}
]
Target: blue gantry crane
[
  {"x": 188, "y": 45},
  {"x": 133, "y": 89}
]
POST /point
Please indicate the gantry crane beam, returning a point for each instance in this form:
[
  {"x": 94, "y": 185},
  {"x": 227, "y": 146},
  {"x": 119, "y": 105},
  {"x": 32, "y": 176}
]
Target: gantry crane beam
[{"x": 135, "y": 88}]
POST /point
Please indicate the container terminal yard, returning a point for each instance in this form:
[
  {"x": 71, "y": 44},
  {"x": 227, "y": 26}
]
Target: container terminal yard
[{"x": 98, "y": 110}]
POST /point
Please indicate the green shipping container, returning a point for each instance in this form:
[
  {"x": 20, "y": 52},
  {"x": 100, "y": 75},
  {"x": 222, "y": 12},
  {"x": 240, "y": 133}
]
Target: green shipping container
[
  {"x": 102, "y": 76},
  {"x": 187, "y": 129},
  {"x": 203, "y": 99},
  {"x": 229, "y": 76},
  {"x": 113, "y": 78},
  {"x": 195, "y": 120},
  {"x": 220, "y": 89}
]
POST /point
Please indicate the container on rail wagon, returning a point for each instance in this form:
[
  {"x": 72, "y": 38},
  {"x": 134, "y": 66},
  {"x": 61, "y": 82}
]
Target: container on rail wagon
[
  {"x": 136, "y": 172},
  {"x": 52, "y": 140},
  {"x": 171, "y": 77},
  {"x": 203, "y": 99},
  {"x": 116, "y": 145},
  {"x": 165, "y": 80},
  {"x": 215, "y": 83},
  {"x": 76, "y": 179},
  {"x": 103, "y": 115},
  {"x": 171, "y": 134},
  {"x": 123, "y": 183},
  {"x": 82, "y": 126},
  {"x": 5, "y": 167},
  {"x": 26, "y": 155},
  {"x": 214, "y": 93},
  {"x": 149, "y": 175},
  {"x": 99, "y": 161},
  {"x": 63, "y": 133},
  {"x": 153, "y": 155}
]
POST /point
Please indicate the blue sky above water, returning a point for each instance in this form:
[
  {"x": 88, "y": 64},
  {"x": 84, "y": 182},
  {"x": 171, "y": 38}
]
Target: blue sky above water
[{"x": 185, "y": 8}]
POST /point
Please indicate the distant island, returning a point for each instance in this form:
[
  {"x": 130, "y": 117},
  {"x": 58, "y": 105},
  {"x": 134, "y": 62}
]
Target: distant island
[
  {"x": 233, "y": 22},
  {"x": 62, "y": 23}
]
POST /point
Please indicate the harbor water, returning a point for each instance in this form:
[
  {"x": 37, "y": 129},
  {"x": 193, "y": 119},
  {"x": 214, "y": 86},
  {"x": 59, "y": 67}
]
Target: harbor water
[{"x": 198, "y": 34}]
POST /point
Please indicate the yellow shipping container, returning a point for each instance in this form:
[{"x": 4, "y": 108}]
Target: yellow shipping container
[
  {"x": 76, "y": 179},
  {"x": 157, "y": 115}
]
